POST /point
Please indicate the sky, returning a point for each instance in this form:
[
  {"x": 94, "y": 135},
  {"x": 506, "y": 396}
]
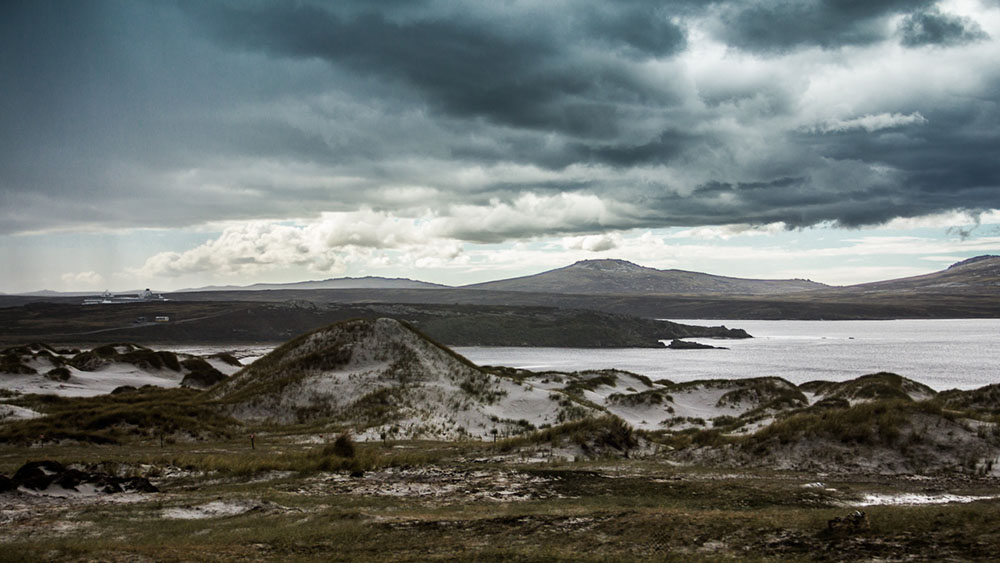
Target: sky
[{"x": 175, "y": 144}]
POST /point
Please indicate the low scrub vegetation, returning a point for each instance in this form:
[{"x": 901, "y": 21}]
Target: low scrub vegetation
[
  {"x": 594, "y": 436},
  {"x": 651, "y": 397},
  {"x": 876, "y": 386},
  {"x": 983, "y": 401},
  {"x": 149, "y": 412},
  {"x": 878, "y": 422},
  {"x": 588, "y": 382},
  {"x": 201, "y": 374}
]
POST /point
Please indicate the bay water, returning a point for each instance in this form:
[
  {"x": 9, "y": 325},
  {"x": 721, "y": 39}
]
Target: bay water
[{"x": 941, "y": 353}]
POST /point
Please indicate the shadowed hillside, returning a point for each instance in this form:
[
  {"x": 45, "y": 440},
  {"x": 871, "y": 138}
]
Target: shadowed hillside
[
  {"x": 623, "y": 277},
  {"x": 215, "y": 322}
]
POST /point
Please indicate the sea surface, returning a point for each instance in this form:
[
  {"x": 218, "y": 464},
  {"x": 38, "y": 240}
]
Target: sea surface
[{"x": 944, "y": 354}]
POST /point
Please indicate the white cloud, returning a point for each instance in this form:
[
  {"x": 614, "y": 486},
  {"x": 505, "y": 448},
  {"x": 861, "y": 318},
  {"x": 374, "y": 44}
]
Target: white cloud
[
  {"x": 593, "y": 243},
  {"x": 726, "y": 232},
  {"x": 530, "y": 214},
  {"x": 871, "y": 122},
  {"x": 943, "y": 220},
  {"x": 89, "y": 279},
  {"x": 335, "y": 240}
]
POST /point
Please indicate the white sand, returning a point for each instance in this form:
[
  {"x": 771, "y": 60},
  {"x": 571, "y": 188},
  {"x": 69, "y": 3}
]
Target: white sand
[
  {"x": 214, "y": 509},
  {"x": 913, "y": 499},
  {"x": 12, "y": 412}
]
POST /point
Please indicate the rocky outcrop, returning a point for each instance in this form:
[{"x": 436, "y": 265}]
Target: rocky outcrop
[
  {"x": 687, "y": 345},
  {"x": 52, "y": 477}
]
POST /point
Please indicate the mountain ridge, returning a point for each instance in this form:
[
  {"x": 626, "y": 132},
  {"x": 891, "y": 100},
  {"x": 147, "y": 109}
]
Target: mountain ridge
[
  {"x": 364, "y": 282},
  {"x": 978, "y": 273},
  {"x": 616, "y": 276},
  {"x": 593, "y": 276},
  {"x": 967, "y": 289}
]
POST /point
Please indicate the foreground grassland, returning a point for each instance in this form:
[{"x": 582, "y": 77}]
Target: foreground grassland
[{"x": 298, "y": 497}]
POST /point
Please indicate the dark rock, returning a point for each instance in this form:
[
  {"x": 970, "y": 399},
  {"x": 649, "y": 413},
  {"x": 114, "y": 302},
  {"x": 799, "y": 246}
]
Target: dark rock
[
  {"x": 106, "y": 484},
  {"x": 38, "y": 475},
  {"x": 70, "y": 478},
  {"x": 685, "y": 345},
  {"x": 138, "y": 485}
]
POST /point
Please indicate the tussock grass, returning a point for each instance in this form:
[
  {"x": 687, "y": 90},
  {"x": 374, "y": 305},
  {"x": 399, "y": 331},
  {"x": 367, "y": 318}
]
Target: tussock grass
[
  {"x": 875, "y": 386},
  {"x": 874, "y": 423},
  {"x": 118, "y": 417},
  {"x": 200, "y": 373},
  {"x": 650, "y": 397},
  {"x": 590, "y": 434},
  {"x": 983, "y": 401},
  {"x": 585, "y": 383}
]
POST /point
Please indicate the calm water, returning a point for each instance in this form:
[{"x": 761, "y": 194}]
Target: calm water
[{"x": 944, "y": 354}]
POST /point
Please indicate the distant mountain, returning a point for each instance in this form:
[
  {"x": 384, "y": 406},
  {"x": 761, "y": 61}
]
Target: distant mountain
[
  {"x": 367, "y": 282},
  {"x": 974, "y": 275},
  {"x": 51, "y": 293},
  {"x": 623, "y": 277}
]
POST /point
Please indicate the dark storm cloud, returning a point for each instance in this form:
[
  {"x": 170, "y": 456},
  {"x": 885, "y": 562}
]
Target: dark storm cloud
[
  {"x": 934, "y": 28},
  {"x": 642, "y": 31},
  {"x": 941, "y": 160},
  {"x": 661, "y": 150},
  {"x": 123, "y": 114},
  {"x": 523, "y": 74},
  {"x": 786, "y": 24}
]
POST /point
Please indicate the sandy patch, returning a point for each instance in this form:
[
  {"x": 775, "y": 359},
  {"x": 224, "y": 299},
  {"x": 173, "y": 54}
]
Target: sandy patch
[
  {"x": 433, "y": 483},
  {"x": 914, "y": 499},
  {"x": 12, "y": 412},
  {"x": 220, "y": 509}
]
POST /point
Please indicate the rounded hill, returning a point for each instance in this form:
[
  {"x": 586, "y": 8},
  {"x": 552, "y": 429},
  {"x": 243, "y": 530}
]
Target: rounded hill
[{"x": 383, "y": 377}]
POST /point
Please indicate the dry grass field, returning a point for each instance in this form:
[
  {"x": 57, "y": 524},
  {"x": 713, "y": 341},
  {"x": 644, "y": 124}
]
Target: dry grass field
[{"x": 292, "y": 499}]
